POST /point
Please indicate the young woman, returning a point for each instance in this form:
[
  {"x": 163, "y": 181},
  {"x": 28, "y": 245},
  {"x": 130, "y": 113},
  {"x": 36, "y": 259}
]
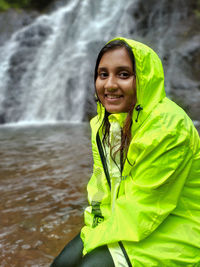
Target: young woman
[{"x": 144, "y": 194}]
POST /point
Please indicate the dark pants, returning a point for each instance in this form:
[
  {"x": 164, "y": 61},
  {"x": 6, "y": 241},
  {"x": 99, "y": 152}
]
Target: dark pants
[{"x": 71, "y": 256}]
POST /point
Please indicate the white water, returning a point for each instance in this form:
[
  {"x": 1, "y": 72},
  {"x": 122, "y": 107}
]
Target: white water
[{"x": 46, "y": 68}]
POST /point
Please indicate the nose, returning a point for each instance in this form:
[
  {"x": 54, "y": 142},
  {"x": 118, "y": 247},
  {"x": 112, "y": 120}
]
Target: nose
[{"x": 111, "y": 83}]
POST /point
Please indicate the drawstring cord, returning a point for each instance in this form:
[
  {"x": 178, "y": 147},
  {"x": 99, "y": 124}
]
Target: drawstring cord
[{"x": 138, "y": 108}]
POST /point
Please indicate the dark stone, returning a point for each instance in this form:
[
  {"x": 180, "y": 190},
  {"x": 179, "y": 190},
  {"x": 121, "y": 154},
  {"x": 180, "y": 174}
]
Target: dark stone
[
  {"x": 2, "y": 119},
  {"x": 13, "y": 20},
  {"x": 89, "y": 107}
]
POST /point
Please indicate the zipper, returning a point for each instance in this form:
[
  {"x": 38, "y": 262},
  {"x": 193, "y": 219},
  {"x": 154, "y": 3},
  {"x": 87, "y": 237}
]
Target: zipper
[
  {"x": 103, "y": 160},
  {"x": 105, "y": 167},
  {"x": 125, "y": 254}
]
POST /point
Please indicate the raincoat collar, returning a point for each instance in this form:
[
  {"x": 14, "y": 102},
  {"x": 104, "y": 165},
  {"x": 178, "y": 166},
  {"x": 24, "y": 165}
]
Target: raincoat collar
[{"x": 118, "y": 117}]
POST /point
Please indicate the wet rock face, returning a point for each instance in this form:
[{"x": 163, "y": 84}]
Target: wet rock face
[
  {"x": 186, "y": 81},
  {"x": 172, "y": 28},
  {"x": 13, "y": 20}
]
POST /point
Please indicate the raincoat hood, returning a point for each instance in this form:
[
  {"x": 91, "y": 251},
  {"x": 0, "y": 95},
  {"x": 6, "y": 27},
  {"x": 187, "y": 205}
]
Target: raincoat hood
[
  {"x": 149, "y": 80},
  {"x": 149, "y": 209}
]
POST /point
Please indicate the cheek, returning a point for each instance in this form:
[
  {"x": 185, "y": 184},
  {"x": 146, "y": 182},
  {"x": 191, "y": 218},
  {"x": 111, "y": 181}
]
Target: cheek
[
  {"x": 129, "y": 89},
  {"x": 133, "y": 89}
]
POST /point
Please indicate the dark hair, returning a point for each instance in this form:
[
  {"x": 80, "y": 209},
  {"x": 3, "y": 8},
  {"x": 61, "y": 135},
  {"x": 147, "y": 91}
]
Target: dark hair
[{"x": 126, "y": 131}]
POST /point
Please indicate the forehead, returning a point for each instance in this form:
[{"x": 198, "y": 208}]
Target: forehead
[{"x": 115, "y": 58}]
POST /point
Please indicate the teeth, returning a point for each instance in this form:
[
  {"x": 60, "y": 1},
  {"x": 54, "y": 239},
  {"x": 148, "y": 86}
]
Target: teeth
[{"x": 113, "y": 96}]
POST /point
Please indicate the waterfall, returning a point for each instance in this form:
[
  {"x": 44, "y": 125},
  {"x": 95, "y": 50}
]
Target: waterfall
[{"x": 46, "y": 68}]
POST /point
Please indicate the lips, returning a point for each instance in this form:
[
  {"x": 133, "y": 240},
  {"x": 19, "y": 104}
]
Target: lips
[{"x": 108, "y": 96}]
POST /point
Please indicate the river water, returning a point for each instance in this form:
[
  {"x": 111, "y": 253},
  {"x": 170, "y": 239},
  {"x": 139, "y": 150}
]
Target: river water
[{"x": 44, "y": 170}]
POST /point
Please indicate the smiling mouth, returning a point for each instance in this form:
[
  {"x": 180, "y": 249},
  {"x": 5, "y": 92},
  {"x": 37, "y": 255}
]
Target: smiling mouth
[{"x": 113, "y": 96}]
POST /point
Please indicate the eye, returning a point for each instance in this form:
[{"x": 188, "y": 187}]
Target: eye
[
  {"x": 124, "y": 74},
  {"x": 103, "y": 75}
]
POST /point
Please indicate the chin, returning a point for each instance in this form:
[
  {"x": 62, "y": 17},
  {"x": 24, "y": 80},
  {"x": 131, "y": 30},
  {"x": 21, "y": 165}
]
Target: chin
[{"x": 109, "y": 110}]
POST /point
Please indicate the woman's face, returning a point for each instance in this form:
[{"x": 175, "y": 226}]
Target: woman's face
[{"x": 115, "y": 83}]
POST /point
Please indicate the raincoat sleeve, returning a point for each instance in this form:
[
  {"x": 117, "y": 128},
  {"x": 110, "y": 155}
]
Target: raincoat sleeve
[{"x": 151, "y": 191}]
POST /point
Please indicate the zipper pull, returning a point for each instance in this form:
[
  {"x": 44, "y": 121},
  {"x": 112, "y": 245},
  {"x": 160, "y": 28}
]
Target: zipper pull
[{"x": 138, "y": 108}]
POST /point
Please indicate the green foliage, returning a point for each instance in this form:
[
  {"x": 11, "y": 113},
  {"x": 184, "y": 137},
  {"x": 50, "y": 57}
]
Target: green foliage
[
  {"x": 197, "y": 9},
  {"x": 25, "y": 4},
  {"x": 6, "y": 4},
  {"x": 197, "y": 14}
]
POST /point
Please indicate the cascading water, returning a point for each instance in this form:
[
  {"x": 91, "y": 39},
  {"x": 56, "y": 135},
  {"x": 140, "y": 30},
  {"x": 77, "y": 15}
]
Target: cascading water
[{"x": 46, "y": 68}]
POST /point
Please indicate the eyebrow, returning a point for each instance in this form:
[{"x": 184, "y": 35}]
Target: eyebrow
[{"x": 118, "y": 68}]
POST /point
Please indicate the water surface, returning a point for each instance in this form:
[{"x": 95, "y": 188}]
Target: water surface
[{"x": 43, "y": 175}]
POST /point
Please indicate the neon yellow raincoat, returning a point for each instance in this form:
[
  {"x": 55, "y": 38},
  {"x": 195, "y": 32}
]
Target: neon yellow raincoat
[{"x": 155, "y": 216}]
